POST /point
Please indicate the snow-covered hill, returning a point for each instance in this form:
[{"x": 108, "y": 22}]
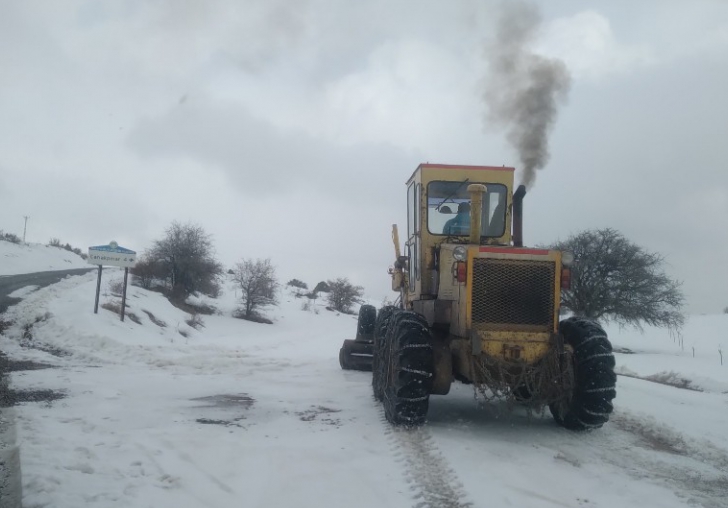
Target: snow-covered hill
[
  {"x": 233, "y": 413},
  {"x": 29, "y": 258}
]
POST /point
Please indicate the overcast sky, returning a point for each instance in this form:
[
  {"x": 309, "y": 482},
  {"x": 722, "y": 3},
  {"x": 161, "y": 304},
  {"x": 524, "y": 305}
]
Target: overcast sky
[{"x": 287, "y": 129}]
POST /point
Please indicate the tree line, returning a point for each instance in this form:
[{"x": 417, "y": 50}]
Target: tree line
[{"x": 183, "y": 262}]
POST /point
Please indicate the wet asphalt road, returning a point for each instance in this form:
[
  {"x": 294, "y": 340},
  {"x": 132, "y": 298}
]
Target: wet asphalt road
[
  {"x": 10, "y": 283},
  {"x": 10, "y": 470}
]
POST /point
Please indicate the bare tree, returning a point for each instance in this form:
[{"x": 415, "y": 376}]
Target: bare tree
[
  {"x": 185, "y": 258},
  {"x": 259, "y": 285},
  {"x": 145, "y": 272},
  {"x": 343, "y": 294},
  {"x": 616, "y": 280}
]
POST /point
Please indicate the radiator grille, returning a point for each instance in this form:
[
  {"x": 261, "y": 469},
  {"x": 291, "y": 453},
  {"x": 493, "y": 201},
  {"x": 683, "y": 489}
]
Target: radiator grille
[{"x": 513, "y": 294}]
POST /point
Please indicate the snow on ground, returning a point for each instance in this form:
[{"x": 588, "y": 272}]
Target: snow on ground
[
  {"x": 694, "y": 354},
  {"x": 16, "y": 258},
  {"x": 244, "y": 414}
]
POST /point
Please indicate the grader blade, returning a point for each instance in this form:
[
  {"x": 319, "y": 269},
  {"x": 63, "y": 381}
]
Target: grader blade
[{"x": 355, "y": 355}]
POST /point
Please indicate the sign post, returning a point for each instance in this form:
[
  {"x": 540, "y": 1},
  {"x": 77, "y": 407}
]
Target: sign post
[
  {"x": 98, "y": 290},
  {"x": 123, "y": 295},
  {"x": 111, "y": 255}
]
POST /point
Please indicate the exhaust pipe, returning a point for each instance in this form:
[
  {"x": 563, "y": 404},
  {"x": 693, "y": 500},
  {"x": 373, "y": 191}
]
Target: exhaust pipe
[
  {"x": 476, "y": 191},
  {"x": 518, "y": 215}
]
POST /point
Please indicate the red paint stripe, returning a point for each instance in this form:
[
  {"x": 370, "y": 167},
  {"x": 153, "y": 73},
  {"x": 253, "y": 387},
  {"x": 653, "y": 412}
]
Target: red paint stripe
[
  {"x": 481, "y": 168},
  {"x": 501, "y": 250}
]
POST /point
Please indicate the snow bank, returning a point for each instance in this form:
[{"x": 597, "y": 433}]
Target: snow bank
[
  {"x": 692, "y": 355},
  {"x": 234, "y": 413},
  {"x": 16, "y": 259}
]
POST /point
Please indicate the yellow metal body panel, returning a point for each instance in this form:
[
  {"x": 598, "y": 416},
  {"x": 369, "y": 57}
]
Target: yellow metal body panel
[
  {"x": 553, "y": 256},
  {"x": 527, "y": 347},
  {"x": 512, "y": 342}
]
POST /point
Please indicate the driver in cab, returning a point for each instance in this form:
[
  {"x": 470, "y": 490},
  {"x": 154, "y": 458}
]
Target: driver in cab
[{"x": 460, "y": 224}]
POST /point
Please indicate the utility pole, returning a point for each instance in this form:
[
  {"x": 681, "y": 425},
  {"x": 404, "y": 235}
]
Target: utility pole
[{"x": 25, "y": 227}]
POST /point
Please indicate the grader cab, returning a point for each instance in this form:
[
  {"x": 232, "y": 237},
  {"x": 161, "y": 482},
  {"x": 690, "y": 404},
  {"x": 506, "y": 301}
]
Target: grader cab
[{"x": 476, "y": 306}]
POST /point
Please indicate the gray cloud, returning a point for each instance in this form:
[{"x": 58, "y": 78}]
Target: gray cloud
[
  {"x": 523, "y": 89},
  {"x": 263, "y": 160},
  {"x": 269, "y": 151}
]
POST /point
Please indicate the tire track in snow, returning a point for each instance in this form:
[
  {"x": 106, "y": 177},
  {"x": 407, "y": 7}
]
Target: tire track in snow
[
  {"x": 700, "y": 474},
  {"x": 432, "y": 482}
]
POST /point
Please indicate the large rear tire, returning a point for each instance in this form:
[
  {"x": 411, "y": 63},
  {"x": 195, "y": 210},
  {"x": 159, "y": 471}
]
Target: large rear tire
[
  {"x": 365, "y": 323},
  {"x": 409, "y": 369},
  {"x": 588, "y": 403},
  {"x": 378, "y": 364}
]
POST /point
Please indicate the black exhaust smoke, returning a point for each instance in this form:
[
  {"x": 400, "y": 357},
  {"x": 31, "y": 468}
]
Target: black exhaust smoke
[{"x": 523, "y": 89}]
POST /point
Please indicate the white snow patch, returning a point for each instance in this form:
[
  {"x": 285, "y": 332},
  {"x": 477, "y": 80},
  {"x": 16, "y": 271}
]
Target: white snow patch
[
  {"x": 23, "y": 292},
  {"x": 245, "y": 414},
  {"x": 18, "y": 258}
]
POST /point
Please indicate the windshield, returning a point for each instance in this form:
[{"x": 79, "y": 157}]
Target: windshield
[{"x": 448, "y": 209}]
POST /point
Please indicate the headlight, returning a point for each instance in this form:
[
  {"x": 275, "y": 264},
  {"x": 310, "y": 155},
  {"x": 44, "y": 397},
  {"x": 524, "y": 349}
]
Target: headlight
[
  {"x": 460, "y": 253},
  {"x": 567, "y": 258}
]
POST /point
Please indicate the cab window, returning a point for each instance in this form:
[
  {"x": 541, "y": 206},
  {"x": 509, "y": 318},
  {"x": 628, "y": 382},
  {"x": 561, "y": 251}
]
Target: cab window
[{"x": 448, "y": 209}]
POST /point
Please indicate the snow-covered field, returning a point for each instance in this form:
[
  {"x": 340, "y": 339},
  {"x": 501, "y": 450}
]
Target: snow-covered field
[
  {"x": 17, "y": 258},
  {"x": 253, "y": 415}
]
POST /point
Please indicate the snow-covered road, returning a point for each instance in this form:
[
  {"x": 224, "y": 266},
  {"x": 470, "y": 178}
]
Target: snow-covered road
[{"x": 245, "y": 414}]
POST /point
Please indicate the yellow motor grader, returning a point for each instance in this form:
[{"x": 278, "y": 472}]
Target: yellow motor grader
[{"x": 476, "y": 306}]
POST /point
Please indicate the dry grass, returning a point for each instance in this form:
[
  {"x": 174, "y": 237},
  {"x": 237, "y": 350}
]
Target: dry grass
[
  {"x": 116, "y": 287},
  {"x": 666, "y": 378},
  {"x": 189, "y": 308},
  {"x": 154, "y": 319},
  {"x": 115, "y": 307},
  {"x": 195, "y": 321},
  {"x": 255, "y": 318},
  {"x": 4, "y": 325}
]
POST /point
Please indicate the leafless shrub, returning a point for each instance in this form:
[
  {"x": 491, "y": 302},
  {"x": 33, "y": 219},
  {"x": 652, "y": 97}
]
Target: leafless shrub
[
  {"x": 258, "y": 285},
  {"x": 54, "y": 242},
  {"x": 9, "y": 237},
  {"x": 343, "y": 294},
  {"x": 145, "y": 272},
  {"x": 116, "y": 287},
  {"x": 616, "y": 280},
  {"x": 185, "y": 260},
  {"x": 306, "y": 306}
]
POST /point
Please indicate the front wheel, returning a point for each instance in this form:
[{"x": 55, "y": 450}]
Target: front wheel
[
  {"x": 379, "y": 370},
  {"x": 410, "y": 369},
  {"x": 591, "y": 381}
]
